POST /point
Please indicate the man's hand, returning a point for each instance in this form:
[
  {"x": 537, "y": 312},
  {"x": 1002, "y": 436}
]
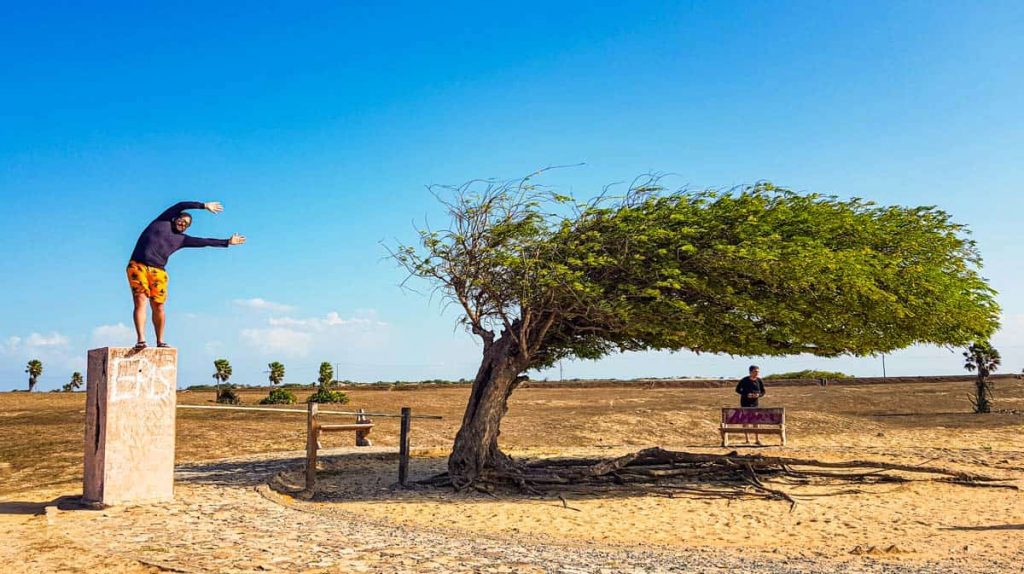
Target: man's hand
[
  {"x": 215, "y": 207},
  {"x": 236, "y": 239}
]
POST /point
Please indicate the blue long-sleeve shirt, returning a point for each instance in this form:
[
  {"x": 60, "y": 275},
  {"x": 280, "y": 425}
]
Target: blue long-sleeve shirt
[{"x": 159, "y": 240}]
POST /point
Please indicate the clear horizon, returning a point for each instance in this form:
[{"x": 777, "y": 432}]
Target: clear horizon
[{"x": 319, "y": 128}]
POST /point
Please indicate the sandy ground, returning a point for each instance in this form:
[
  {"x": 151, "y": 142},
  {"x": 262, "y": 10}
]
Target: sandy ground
[{"x": 941, "y": 527}]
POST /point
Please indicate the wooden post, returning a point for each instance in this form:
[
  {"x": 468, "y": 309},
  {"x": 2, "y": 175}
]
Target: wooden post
[
  {"x": 361, "y": 439},
  {"x": 403, "y": 447},
  {"x": 312, "y": 436}
]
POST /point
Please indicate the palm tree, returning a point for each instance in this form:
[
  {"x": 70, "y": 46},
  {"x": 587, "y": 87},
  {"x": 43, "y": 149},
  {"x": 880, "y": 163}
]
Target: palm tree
[
  {"x": 74, "y": 383},
  {"x": 326, "y": 378},
  {"x": 221, "y": 375},
  {"x": 34, "y": 370},
  {"x": 983, "y": 359},
  {"x": 276, "y": 373}
]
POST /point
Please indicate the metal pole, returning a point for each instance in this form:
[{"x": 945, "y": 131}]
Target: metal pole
[
  {"x": 883, "y": 365},
  {"x": 403, "y": 447}
]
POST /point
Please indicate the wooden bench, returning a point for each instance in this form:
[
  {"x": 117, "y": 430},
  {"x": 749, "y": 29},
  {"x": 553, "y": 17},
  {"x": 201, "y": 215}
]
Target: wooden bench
[{"x": 756, "y": 421}]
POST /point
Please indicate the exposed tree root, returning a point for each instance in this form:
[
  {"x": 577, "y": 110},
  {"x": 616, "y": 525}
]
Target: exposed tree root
[{"x": 669, "y": 473}]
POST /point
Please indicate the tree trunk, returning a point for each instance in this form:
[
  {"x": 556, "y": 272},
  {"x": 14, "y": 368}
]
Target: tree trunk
[
  {"x": 981, "y": 404},
  {"x": 476, "y": 444}
]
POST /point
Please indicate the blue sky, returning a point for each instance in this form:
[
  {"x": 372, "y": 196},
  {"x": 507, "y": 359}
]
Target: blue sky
[{"x": 319, "y": 125}]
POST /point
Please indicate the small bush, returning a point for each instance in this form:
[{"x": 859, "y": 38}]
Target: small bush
[
  {"x": 810, "y": 374},
  {"x": 228, "y": 396},
  {"x": 323, "y": 395},
  {"x": 201, "y": 388},
  {"x": 279, "y": 397}
]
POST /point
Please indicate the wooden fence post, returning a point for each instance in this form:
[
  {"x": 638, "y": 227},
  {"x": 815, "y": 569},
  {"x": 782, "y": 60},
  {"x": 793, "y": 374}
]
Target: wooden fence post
[
  {"x": 403, "y": 447},
  {"x": 312, "y": 432}
]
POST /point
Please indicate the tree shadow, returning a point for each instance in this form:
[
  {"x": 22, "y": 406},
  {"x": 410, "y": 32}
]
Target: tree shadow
[
  {"x": 927, "y": 414},
  {"x": 234, "y": 472},
  {"x": 987, "y": 527}
]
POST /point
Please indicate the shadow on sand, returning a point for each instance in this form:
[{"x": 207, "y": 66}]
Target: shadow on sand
[
  {"x": 987, "y": 527},
  {"x": 25, "y": 508}
]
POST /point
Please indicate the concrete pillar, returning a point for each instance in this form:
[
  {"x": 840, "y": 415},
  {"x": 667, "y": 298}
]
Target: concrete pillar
[{"x": 129, "y": 425}]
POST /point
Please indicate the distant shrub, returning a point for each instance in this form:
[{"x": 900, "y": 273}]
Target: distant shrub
[
  {"x": 810, "y": 374},
  {"x": 228, "y": 396},
  {"x": 323, "y": 395},
  {"x": 297, "y": 386},
  {"x": 201, "y": 388},
  {"x": 423, "y": 382},
  {"x": 279, "y": 397}
]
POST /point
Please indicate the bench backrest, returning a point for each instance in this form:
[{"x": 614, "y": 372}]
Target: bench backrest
[{"x": 753, "y": 416}]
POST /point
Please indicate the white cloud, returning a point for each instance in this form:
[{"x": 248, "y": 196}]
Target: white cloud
[
  {"x": 288, "y": 342},
  {"x": 294, "y": 337},
  {"x": 113, "y": 335},
  {"x": 35, "y": 342},
  {"x": 332, "y": 319},
  {"x": 263, "y": 305},
  {"x": 53, "y": 349},
  {"x": 53, "y": 340},
  {"x": 10, "y": 344}
]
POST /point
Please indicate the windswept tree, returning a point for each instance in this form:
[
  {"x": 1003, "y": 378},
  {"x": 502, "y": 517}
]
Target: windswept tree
[
  {"x": 756, "y": 270},
  {"x": 34, "y": 370},
  {"x": 275, "y": 373},
  {"x": 982, "y": 359},
  {"x": 74, "y": 384}
]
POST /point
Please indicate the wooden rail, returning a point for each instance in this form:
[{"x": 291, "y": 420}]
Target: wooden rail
[
  {"x": 270, "y": 410},
  {"x": 361, "y": 427}
]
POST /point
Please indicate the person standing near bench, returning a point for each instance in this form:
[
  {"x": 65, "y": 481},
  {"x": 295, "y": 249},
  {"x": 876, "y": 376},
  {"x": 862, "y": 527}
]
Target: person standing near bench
[
  {"x": 146, "y": 274},
  {"x": 750, "y": 389}
]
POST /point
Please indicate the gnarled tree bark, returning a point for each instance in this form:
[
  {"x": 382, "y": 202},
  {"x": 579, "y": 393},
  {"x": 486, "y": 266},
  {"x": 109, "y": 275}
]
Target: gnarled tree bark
[{"x": 476, "y": 449}]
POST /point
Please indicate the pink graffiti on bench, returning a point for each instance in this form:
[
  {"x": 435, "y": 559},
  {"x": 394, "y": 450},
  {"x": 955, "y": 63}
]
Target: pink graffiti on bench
[{"x": 753, "y": 416}]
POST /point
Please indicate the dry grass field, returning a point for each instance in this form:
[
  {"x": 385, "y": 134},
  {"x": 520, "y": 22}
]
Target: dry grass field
[{"x": 41, "y": 452}]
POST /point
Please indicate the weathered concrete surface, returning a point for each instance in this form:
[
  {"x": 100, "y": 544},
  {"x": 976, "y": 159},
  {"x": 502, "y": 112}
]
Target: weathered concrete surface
[{"x": 129, "y": 425}]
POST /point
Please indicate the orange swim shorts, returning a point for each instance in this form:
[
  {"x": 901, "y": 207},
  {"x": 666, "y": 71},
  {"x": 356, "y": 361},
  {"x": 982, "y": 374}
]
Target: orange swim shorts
[{"x": 148, "y": 281}]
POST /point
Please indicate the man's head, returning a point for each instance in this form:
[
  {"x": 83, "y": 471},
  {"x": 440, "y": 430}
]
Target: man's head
[
  {"x": 755, "y": 371},
  {"x": 181, "y": 222}
]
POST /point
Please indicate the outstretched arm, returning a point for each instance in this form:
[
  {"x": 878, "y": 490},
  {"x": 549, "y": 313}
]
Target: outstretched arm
[
  {"x": 235, "y": 239},
  {"x": 174, "y": 210}
]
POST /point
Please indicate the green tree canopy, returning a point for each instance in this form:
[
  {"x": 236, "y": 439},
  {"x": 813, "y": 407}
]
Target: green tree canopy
[
  {"x": 757, "y": 270},
  {"x": 326, "y": 378},
  {"x": 74, "y": 384},
  {"x": 222, "y": 370},
  {"x": 34, "y": 368},
  {"x": 276, "y": 373}
]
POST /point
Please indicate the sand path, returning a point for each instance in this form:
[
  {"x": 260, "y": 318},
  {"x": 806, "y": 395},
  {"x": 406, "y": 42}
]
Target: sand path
[{"x": 224, "y": 519}]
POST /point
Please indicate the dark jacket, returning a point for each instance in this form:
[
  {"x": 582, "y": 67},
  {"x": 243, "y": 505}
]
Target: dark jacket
[
  {"x": 159, "y": 240},
  {"x": 747, "y": 386}
]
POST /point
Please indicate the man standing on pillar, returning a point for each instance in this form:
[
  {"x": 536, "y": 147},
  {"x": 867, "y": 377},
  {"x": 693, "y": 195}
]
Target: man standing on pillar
[{"x": 146, "y": 274}]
